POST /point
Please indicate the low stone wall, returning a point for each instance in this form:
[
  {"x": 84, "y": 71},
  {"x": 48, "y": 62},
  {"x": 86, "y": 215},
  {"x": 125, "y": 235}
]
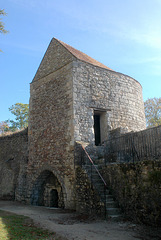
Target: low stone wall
[
  {"x": 87, "y": 199},
  {"x": 13, "y": 161},
  {"x": 137, "y": 189}
]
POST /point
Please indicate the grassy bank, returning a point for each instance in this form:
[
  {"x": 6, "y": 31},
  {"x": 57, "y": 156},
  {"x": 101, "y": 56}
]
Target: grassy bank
[{"x": 17, "y": 227}]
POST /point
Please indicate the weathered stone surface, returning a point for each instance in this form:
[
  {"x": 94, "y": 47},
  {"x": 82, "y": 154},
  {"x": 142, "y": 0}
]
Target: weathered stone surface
[
  {"x": 51, "y": 130},
  {"x": 68, "y": 91},
  {"x": 88, "y": 200},
  {"x": 54, "y": 59},
  {"x": 13, "y": 162},
  {"x": 137, "y": 189},
  {"x": 117, "y": 96}
]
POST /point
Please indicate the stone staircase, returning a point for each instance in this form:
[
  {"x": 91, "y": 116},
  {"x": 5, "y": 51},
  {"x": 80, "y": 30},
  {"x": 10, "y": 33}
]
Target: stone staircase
[{"x": 112, "y": 210}]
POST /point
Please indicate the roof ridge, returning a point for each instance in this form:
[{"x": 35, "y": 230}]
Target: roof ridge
[{"x": 82, "y": 56}]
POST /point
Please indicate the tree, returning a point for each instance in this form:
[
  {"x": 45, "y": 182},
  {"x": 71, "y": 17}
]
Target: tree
[
  {"x": 4, "y": 127},
  {"x": 20, "y": 110},
  {"x": 2, "y": 29},
  {"x": 153, "y": 112}
]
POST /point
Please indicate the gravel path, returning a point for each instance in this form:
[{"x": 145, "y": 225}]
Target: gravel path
[{"x": 71, "y": 225}]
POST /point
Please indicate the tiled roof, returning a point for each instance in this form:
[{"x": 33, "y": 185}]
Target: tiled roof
[{"x": 82, "y": 56}]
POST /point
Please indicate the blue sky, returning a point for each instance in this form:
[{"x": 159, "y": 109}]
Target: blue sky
[{"x": 125, "y": 35}]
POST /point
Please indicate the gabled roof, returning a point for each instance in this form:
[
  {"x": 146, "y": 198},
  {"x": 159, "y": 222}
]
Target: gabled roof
[{"x": 82, "y": 56}]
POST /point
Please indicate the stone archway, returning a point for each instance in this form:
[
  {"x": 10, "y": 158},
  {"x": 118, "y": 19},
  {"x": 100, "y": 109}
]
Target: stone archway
[{"x": 47, "y": 191}]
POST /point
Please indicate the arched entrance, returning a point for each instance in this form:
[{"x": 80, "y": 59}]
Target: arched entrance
[{"x": 47, "y": 191}]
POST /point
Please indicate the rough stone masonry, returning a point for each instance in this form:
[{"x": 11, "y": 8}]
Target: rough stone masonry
[{"x": 72, "y": 98}]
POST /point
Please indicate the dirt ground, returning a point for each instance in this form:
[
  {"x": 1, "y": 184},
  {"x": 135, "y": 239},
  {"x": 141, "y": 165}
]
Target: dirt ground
[{"x": 73, "y": 226}]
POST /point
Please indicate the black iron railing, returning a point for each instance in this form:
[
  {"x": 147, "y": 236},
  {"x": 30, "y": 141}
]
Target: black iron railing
[
  {"x": 92, "y": 164},
  {"x": 135, "y": 146}
]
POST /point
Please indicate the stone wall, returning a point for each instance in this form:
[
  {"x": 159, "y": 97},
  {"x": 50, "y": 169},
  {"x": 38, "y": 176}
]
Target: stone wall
[
  {"x": 137, "y": 189},
  {"x": 51, "y": 142},
  {"x": 134, "y": 146},
  {"x": 65, "y": 94},
  {"x": 115, "y": 96},
  {"x": 54, "y": 59},
  {"x": 13, "y": 162},
  {"x": 88, "y": 200}
]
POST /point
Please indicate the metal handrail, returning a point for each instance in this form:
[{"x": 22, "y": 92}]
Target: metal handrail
[
  {"x": 105, "y": 184},
  {"x": 133, "y": 133}
]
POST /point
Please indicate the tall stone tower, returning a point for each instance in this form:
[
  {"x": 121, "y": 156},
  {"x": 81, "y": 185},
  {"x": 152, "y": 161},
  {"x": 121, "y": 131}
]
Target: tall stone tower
[{"x": 73, "y": 98}]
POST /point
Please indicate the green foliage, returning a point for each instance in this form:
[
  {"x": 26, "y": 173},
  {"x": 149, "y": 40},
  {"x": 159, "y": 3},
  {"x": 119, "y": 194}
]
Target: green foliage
[
  {"x": 2, "y": 29},
  {"x": 4, "y": 127},
  {"x": 153, "y": 112},
  {"x": 20, "y": 111}
]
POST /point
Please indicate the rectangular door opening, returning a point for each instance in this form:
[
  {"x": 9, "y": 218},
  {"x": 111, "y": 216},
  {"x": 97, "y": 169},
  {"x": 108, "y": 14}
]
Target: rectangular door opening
[
  {"x": 97, "y": 129},
  {"x": 100, "y": 127}
]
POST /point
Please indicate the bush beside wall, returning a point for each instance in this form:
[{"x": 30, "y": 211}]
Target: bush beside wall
[{"x": 137, "y": 189}]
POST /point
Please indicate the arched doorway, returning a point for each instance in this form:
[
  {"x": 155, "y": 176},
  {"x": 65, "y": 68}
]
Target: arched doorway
[{"x": 47, "y": 191}]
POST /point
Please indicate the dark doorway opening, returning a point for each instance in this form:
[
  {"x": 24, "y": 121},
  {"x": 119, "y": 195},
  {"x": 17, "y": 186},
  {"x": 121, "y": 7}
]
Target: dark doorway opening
[
  {"x": 97, "y": 129},
  {"x": 47, "y": 191},
  {"x": 54, "y": 198}
]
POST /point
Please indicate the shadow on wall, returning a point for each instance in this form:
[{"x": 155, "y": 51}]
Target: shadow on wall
[{"x": 47, "y": 191}]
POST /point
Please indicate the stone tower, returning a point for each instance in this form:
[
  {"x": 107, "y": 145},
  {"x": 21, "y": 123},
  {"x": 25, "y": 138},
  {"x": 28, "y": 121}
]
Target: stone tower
[{"x": 73, "y": 98}]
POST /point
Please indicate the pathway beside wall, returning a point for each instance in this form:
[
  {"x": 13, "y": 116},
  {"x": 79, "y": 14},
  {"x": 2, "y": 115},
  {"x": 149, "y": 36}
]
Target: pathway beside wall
[{"x": 71, "y": 225}]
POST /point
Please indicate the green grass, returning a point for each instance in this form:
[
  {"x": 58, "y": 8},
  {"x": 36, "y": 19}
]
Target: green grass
[{"x": 17, "y": 227}]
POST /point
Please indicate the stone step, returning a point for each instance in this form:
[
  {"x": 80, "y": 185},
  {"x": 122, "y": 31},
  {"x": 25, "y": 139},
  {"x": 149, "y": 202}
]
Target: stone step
[
  {"x": 109, "y": 197},
  {"x": 96, "y": 176},
  {"x": 89, "y": 166},
  {"x": 101, "y": 192},
  {"x": 101, "y": 189},
  {"x": 115, "y": 218},
  {"x": 96, "y": 179},
  {"x": 111, "y": 204},
  {"x": 99, "y": 182},
  {"x": 106, "y": 197},
  {"x": 90, "y": 170},
  {"x": 99, "y": 161},
  {"x": 96, "y": 165},
  {"x": 113, "y": 211}
]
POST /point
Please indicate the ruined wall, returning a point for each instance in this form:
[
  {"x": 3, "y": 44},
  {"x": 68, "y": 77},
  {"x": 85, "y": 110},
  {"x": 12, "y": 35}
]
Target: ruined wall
[
  {"x": 137, "y": 189},
  {"x": 51, "y": 140},
  {"x": 117, "y": 95},
  {"x": 13, "y": 162}
]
